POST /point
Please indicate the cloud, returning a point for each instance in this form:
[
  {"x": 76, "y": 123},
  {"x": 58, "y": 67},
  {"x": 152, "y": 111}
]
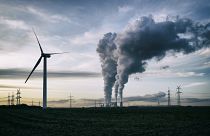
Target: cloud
[
  {"x": 58, "y": 101},
  {"x": 205, "y": 52},
  {"x": 23, "y": 73},
  {"x": 55, "y": 18},
  {"x": 147, "y": 98},
  {"x": 5, "y": 87},
  {"x": 189, "y": 74},
  {"x": 13, "y": 33},
  {"x": 194, "y": 100},
  {"x": 194, "y": 84},
  {"x": 169, "y": 73},
  {"x": 88, "y": 37},
  {"x": 165, "y": 67},
  {"x": 207, "y": 64},
  {"x": 14, "y": 23},
  {"x": 124, "y": 9}
]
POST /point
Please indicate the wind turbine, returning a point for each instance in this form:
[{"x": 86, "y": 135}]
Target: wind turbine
[{"x": 45, "y": 56}]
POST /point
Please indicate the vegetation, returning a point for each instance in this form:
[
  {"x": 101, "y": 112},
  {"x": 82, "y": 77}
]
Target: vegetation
[{"x": 132, "y": 121}]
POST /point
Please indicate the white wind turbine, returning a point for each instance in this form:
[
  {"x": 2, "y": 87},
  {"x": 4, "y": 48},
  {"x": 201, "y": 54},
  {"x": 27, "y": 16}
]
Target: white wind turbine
[{"x": 45, "y": 56}]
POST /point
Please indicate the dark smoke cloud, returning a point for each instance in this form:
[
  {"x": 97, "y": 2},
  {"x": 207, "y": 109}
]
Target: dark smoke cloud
[{"x": 144, "y": 40}]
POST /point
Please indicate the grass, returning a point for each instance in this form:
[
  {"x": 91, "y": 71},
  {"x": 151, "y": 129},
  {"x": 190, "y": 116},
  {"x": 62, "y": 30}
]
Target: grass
[{"x": 133, "y": 121}]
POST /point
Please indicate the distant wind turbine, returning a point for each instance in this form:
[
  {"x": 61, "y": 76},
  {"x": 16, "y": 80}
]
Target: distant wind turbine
[{"x": 45, "y": 56}]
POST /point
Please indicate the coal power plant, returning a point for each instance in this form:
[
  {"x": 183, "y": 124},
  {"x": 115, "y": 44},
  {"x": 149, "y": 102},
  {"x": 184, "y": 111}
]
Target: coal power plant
[{"x": 125, "y": 53}]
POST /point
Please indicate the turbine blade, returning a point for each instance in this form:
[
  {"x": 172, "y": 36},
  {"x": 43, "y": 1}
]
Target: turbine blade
[
  {"x": 38, "y": 41},
  {"x": 39, "y": 60},
  {"x": 58, "y": 53}
]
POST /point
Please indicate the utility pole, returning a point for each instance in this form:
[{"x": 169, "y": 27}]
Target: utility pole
[
  {"x": 169, "y": 97},
  {"x": 9, "y": 99},
  {"x": 39, "y": 103},
  {"x": 178, "y": 95},
  {"x": 70, "y": 101}
]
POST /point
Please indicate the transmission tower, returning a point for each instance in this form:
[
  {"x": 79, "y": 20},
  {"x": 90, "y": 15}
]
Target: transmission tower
[
  {"x": 70, "y": 100},
  {"x": 9, "y": 99},
  {"x": 12, "y": 99},
  {"x": 169, "y": 97},
  {"x": 178, "y": 95},
  {"x": 18, "y": 96}
]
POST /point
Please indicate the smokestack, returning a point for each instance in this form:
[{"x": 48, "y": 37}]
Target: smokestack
[
  {"x": 115, "y": 101},
  {"x": 116, "y": 91},
  {"x": 121, "y": 100}
]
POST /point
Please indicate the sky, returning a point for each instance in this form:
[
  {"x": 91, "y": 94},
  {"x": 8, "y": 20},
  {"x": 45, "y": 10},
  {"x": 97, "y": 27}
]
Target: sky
[{"x": 76, "y": 27}]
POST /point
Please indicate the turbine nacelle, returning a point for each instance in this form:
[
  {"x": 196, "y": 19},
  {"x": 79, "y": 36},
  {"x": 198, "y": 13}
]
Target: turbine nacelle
[{"x": 47, "y": 55}]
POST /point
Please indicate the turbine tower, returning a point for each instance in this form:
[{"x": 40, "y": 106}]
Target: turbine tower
[
  {"x": 178, "y": 95},
  {"x": 45, "y": 56}
]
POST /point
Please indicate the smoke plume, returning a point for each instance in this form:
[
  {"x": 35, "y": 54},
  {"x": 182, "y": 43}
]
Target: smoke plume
[
  {"x": 106, "y": 49},
  {"x": 127, "y": 52}
]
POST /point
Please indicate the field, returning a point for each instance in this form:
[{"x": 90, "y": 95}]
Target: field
[{"x": 133, "y": 121}]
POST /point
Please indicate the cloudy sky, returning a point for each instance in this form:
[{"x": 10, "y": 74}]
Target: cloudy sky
[{"x": 76, "y": 27}]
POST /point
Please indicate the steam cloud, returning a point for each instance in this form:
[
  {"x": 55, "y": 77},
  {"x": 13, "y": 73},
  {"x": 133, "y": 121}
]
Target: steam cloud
[
  {"x": 106, "y": 49},
  {"x": 126, "y": 53}
]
